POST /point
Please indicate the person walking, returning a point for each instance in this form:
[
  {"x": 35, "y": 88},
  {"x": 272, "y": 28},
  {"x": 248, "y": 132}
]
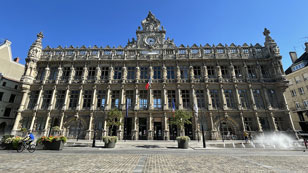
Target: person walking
[{"x": 246, "y": 136}]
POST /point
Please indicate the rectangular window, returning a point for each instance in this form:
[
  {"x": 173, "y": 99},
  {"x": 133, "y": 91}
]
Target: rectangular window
[
  {"x": 78, "y": 73},
  {"x": 245, "y": 51},
  {"x": 104, "y": 72},
  {"x": 4, "y": 84},
  {"x": 117, "y": 73},
  {"x": 107, "y": 52},
  {"x": 91, "y": 72},
  {"x": 94, "y": 52},
  {"x": 301, "y": 91},
  {"x": 60, "y": 98},
  {"x": 305, "y": 103},
  {"x": 305, "y": 76},
  {"x": 298, "y": 106},
  {"x": 26, "y": 122},
  {"x": 101, "y": 99},
  {"x": 66, "y": 73},
  {"x": 244, "y": 98},
  {"x": 144, "y": 73},
  {"x": 40, "y": 123},
  {"x": 157, "y": 72},
  {"x": 220, "y": 51},
  {"x": 40, "y": 73},
  {"x": 33, "y": 99},
  {"x": 258, "y": 98},
  {"x": 272, "y": 98},
  {"x": 170, "y": 72},
  {"x": 194, "y": 51},
  {"x": 143, "y": 99},
  {"x": 7, "y": 112},
  {"x": 265, "y": 71},
  {"x": 186, "y": 99},
  {"x": 211, "y": 71},
  {"x": 53, "y": 73},
  {"x": 157, "y": 99},
  {"x": 171, "y": 96},
  {"x": 197, "y": 72},
  {"x": 293, "y": 93},
  {"x": 46, "y": 98},
  {"x": 1, "y": 95},
  {"x": 233, "y": 50},
  {"x": 130, "y": 99},
  {"x": 238, "y": 71},
  {"x": 169, "y": 52},
  {"x": 74, "y": 97},
  {"x": 297, "y": 79},
  {"x": 207, "y": 51},
  {"x": 251, "y": 72},
  {"x": 119, "y": 52},
  {"x": 82, "y": 52},
  {"x": 87, "y": 98},
  {"x": 215, "y": 99},
  {"x": 182, "y": 51},
  {"x": 115, "y": 99},
  {"x": 200, "y": 98},
  {"x": 224, "y": 71},
  {"x": 229, "y": 98},
  {"x": 130, "y": 73},
  {"x": 184, "y": 72},
  {"x": 248, "y": 123},
  {"x": 12, "y": 98}
]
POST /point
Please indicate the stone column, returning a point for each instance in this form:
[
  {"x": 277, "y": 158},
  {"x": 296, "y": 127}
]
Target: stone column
[
  {"x": 105, "y": 130},
  {"x": 267, "y": 100},
  {"x": 33, "y": 120},
  {"x": 108, "y": 98},
  {"x": 135, "y": 127},
  {"x": 94, "y": 99},
  {"x": 111, "y": 73},
  {"x": 232, "y": 72},
  {"x": 80, "y": 101},
  {"x": 124, "y": 76},
  {"x": 191, "y": 73},
  {"x": 213, "y": 129},
  {"x": 84, "y": 74},
  {"x": 245, "y": 71},
  {"x": 119, "y": 131},
  {"x": 208, "y": 97},
  {"x": 39, "y": 99},
  {"x": 98, "y": 73},
  {"x": 46, "y": 74},
  {"x": 197, "y": 125},
  {"x": 219, "y": 73},
  {"x": 150, "y": 98},
  {"x": 89, "y": 131},
  {"x": 243, "y": 122},
  {"x": 237, "y": 97},
  {"x": 137, "y": 74},
  {"x": 258, "y": 122},
  {"x": 47, "y": 124},
  {"x": 252, "y": 98},
  {"x": 179, "y": 98},
  {"x": 61, "y": 121},
  {"x": 289, "y": 117},
  {"x": 193, "y": 95},
  {"x": 272, "y": 117},
  {"x": 205, "y": 74},
  {"x": 52, "y": 100},
  {"x": 223, "y": 98},
  {"x": 166, "y": 127},
  {"x": 165, "y": 98},
  {"x": 122, "y": 101},
  {"x": 136, "y": 98},
  {"x": 60, "y": 72},
  {"x": 66, "y": 99},
  {"x": 150, "y": 127},
  {"x": 178, "y": 74},
  {"x": 72, "y": 74},
  {"x": 164, "y": 73},
  {"x": 21, "y": 108}
]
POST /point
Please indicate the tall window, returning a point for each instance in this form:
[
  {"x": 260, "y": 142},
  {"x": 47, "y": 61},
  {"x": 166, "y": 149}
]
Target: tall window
[
  {"x": 170, "y": 73},
  {"x": 157, "y": 72},
  {"x": 157, "y": 99},
  {"x": 104, "y": 72},
  {"x": 7, "y": 112},
  {"x": 26, "y": 122},
  {"x": 74, "y": 95},
  {"x": 60, "y": 98},
  {"x": 46, "y": 99},
  {"x": 258, "y": 98},
  {"x": 184, "y": 72},
  {"x": 248, "y": 123},
  {"x": 301, "y": 90},
  {"x": 279, "y": 123},
  {"x": 40, "y": 73},
  {"x": 265, "y": 71},
  {"x": 229, "y": 98},
  {"x": 1, "y": 95},
  {"x": 171, "y": 96},
  {"x": 272, "y": 98},
  {"x": 40, "y": 123},
  {"x": 251, "y": 72},
  {"x": 200, "y": 98},
  {"x": 215, "y": 98},
  {"x": 33, "y": 99},
  {"x": 117, "y": 73},
  {"x": 66, "y": 73},
  {"x": 91, "y": 72},
  {"x": 197, "y": 72},
  {"x": 12, "y": 98},
  {"x": 130, "y": 72},
  {"x": 144, "y": 73},
  {"x": 211, "y": 71},
  {"x": 78, "y": 73},
  {"x": 243, "y": 98},
  {"x": 130, "y": 99},
  {"x": 101, "y": 99},
  {"x": 225, "y": 72},
  {"x": 115, "y": 99},
  {"x": 53, "y": 73},
  {"x": 186, "y": 98},
  {"x": 87, "y": 98},
  {"x": 238, "y": 71},
  {"x": 143, "y": 99}
]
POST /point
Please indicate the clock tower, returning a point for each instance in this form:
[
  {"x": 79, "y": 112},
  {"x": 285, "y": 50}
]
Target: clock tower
[{"x": 151, "y": 35}]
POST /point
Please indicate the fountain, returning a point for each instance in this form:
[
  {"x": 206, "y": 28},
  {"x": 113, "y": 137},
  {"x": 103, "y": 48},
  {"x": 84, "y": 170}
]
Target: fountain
[
  {"x": 233, "y": 144},
  {"x": 243, "y": 145},
  {"x": 275, "y": 140}
]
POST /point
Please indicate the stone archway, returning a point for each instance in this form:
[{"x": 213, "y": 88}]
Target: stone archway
[
  {"x": 75, "y": 128},
  {"x": 227, "y": 128}
]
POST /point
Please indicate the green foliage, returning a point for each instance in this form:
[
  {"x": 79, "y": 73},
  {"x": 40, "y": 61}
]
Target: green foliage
[
  {"x": 51, "y": 139},
  {"x": 181, "y": 118},
  {"x": 182, "y": 138},
  {"x": 14, "y": 141},
  {"x": 108, "y": 139},
  {"x": 24, "y": 130},
  {"x": 113, "y": 118}
]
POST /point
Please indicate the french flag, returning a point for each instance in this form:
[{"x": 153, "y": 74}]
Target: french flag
[
  {"x": 148, "y": 84},
  {"x": 173, "y": 107}
]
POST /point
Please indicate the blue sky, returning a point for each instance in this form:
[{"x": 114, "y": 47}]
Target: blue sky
[{"x": 77, "y": 23}]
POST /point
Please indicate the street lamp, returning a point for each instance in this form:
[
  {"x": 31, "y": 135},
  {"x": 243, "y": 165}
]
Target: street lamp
[{"x": 94, "y": 136}]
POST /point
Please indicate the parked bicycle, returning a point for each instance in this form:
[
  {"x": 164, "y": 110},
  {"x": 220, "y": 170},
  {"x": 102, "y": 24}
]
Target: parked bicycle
[{"x": 25, "y": 144}]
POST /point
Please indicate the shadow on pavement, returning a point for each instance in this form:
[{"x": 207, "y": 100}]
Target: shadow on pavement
[{"x": 148, "y": 146}]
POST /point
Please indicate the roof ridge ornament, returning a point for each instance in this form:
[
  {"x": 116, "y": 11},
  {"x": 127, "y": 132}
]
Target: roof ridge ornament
[{"x": 150, "y": 23}]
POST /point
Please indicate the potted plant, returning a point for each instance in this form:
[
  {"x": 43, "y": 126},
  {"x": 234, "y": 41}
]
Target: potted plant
[
  {"x": 11, "y": 143},
  {"x": 56, "y": 130},
  {"x": 113, "y": 120},
  {"x": 180, "y": 119},
  {"x": 52, "y": 142}
]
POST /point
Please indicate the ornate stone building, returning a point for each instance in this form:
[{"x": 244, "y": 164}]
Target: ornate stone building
[{"x": 236, "y": 88}]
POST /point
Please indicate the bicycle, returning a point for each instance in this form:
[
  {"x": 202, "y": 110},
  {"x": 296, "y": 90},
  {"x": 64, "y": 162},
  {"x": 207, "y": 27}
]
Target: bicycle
[{"x": 25, "y": 145}]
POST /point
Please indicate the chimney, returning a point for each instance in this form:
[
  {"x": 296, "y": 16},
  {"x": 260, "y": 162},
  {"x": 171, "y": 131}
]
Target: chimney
[
  {"x": 16, "y": 59},
  {"x": 293, "y": 56},
  {"x": 306, "y": 44}
]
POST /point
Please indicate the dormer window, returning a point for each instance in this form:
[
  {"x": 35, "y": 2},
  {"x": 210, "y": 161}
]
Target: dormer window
[
  {"x": 82, "y": 52},
  {"x": 233, "y": 51},
  {"x": 245, "y": 51},
  {"x": 298, "y": 66},
  {"x": 107, "y": 52},
  {"x": 58, "y": 53},
  {"x": 220, "y": 51},
  {"x": 119, "y": 52},
  {"x": 47, "y": 53},
  {"x": 169, "y": 52},
  {"x": 94, "y": 52},
  {"x": 195, "y": 51},
  {"x": 69, "y": 53},
  {"x": 258, "y": 50},
  {"x": 182, "y": 51},
  {"x": 207, "y": 51}
]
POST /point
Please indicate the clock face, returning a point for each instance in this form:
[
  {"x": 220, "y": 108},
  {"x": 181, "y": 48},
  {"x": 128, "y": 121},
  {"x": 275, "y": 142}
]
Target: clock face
[{"x": 151, "y": 41}]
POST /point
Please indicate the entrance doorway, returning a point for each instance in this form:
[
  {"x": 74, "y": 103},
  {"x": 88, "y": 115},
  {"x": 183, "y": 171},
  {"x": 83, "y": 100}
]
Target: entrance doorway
[
  {"x": 264, "y": 124},
  {"x": 158, "y": 134},
  {"x": 226, "y": 130},
  {"x": 128, "y": 129},
  {"x": 76, "y": 130},
  {"x": 142, "y": 128},
  {"x": 189, "y": 130},
  {"x": 173, "y": 132}
]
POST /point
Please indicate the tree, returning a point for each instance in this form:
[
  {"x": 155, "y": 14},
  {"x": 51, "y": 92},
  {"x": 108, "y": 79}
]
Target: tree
[
  {"x": 113, "y": 119},
  {"x": 180, "y": 119}
]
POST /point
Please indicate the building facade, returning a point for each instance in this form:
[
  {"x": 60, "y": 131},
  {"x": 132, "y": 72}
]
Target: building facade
[
  {"x": 297, "y": 92},
  {"x": 236, "y": 88},
  {"x": 10, "y": 93}
]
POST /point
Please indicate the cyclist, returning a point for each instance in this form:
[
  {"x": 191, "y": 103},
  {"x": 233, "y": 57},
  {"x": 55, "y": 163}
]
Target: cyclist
[{"x": 29, "y": 138}]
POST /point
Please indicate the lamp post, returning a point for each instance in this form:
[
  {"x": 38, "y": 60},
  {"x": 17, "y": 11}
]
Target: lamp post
[
  {"x": 94, "y": 136},
  {"x": 201, "y": 123}
]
